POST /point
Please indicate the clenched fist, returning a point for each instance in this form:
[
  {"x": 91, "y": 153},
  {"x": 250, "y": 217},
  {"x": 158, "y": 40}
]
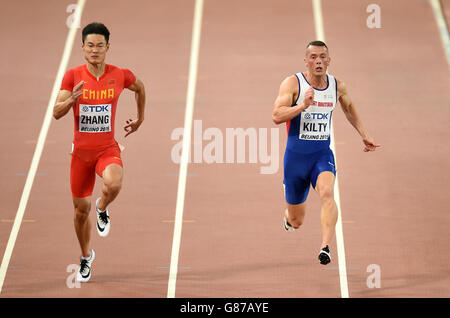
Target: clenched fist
[
  {"x": 309, "y": 97},
  {"x": 77, "y": 91}
]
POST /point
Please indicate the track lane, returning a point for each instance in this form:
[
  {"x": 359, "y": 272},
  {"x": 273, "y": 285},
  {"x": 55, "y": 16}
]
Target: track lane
[{"x": 236, "y": 247}]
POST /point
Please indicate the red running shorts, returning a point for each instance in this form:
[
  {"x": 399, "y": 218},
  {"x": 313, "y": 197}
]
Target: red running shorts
[{"x": 86, "y": 163}]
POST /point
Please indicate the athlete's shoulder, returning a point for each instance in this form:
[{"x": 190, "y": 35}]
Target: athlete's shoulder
[
  {"x": 114, "y": 68},
  {"x": 125, "y": 75},
  {"x": 109, "y": 68},
  {"x": 69, "y": 78},
  {"x": 113, "y": 71},
  {"x": 290, "y": 82},
  {"x": 289, "y": 86},
  {"x": 75, "y": 72},
  {"x": 341, "y": 87}
]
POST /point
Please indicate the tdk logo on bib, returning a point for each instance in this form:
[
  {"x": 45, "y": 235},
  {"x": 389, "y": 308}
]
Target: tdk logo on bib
[
  {"x": 96, "y": 108},
  {"x": 95, "y": 118},
  {"x": 316, "y": 116}
]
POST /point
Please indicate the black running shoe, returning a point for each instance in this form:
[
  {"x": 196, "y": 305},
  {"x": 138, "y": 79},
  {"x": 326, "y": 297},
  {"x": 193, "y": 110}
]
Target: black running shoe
[{"x": 324, "y": 256}]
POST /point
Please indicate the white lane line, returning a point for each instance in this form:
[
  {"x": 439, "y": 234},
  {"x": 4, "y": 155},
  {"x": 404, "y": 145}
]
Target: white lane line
[
  {"x": 192, "y": 81},
  {"x": 442, "y": 26},
  {"x": 320, "y": 35},
  {"x": 40, "y": 144}
]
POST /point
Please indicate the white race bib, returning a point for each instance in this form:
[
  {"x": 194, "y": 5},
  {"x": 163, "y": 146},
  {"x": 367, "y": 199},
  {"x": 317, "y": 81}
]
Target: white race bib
[
  {"x": 95, "y": 118},
  {"x": 315, "y": 124}
]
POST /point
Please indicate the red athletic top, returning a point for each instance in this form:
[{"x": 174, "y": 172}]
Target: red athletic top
[{"x": 95, "y": 110}]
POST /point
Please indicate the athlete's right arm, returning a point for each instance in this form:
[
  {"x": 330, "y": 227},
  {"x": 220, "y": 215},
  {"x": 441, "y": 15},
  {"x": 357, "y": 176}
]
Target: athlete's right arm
[
  {"x": 283, "y": 110},
  {"x": 65, "y": 100}
]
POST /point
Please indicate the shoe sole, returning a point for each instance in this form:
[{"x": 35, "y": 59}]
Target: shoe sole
[
  {"x": 81, "y": 279},
  {"x": 324, "y": 258}
]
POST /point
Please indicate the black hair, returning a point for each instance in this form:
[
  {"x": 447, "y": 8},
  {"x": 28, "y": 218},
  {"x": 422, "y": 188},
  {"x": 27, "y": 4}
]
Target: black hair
[
  {"x": 95, "y": 28},
  {"x": 316, "y": 43}
]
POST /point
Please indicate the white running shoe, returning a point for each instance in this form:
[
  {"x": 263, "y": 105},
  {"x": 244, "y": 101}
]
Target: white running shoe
[
  {"x": 84, "y": 273},
  {"x": 287, "y": 226},
  {"x": 103, "y": 222}
]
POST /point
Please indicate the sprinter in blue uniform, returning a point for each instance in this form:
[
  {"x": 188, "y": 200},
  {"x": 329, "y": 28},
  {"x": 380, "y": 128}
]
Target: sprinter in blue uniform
[{"x": 305, "y": 103}]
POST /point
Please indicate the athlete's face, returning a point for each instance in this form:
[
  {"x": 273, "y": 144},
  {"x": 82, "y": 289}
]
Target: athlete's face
[
  {"x": 317, "y": 60},
  {"x": 95, "y": 48}
]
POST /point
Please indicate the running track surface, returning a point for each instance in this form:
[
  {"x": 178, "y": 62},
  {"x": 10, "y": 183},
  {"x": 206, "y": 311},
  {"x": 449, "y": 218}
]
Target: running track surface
[{"x": 393, "y": 201}]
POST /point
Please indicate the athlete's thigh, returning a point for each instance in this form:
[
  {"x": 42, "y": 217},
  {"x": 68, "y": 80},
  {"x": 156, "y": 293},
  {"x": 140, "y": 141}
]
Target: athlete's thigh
[
  {"x": 109, "y": 164},
  {"x": 296, "y": 177},
  {"x": 82, "y": 177},
  {"x": 324, "y": 169},
  {"x": 325, "y": 183}
]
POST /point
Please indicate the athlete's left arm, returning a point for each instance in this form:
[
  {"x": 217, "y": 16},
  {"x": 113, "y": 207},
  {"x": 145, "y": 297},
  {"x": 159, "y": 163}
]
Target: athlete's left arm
[
  {"x": 352, "y": 116},
  {"x": 139, "y": 90}
]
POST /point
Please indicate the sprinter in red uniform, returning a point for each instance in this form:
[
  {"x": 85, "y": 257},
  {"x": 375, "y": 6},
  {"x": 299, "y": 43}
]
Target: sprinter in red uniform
[{"x": 92, "y": 91}]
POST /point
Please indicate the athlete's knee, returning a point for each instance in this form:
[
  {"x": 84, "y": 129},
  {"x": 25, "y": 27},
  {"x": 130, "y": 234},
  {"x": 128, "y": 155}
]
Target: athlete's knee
[
  {"x": 326, "y": 193},
  {"x": 80, "y": 216},
  {"x": 296, "y": 221},
  {"x": 81, "y": 212},
  {"x": 82, "y": 206},
  {"x": 295, "y": 217},
  {"x": 113, "y": 186}
]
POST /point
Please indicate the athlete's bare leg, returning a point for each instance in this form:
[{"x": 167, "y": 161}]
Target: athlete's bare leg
[
  {"x": 329, "y": 213},
  {"x": 295, "y": 214},
  {"x": 82, "y": 224},
  {"x": 112, "y": 183}
]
